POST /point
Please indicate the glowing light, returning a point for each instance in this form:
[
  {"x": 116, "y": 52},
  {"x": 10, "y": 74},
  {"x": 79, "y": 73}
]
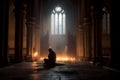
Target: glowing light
[
  {"x": 52, "y": 23},
  {"x": 64, "y": 59},
  {"x": 58, "y": 22},
  {"x": 58, "y": 9},
  {"x": 42, "y": 58},
  {"x": 62, "y": 11},
  {"x": 35, "y": 54},
  {"x": 64, "y": 23}
]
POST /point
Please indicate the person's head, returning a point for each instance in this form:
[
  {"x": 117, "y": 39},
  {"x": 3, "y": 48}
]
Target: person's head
[{"x": 50, "y": 49}]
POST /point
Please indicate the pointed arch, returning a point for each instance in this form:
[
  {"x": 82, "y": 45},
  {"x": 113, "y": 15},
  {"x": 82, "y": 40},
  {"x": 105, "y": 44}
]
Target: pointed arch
[{"x": 58, "y": 21}]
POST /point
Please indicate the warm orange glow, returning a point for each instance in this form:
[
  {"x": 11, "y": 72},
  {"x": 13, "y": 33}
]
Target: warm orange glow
[
  {"x": 65, "y": 59},
  {"x": 35, "y": 54},
  {"x": 42, "y": 58},
  {"x": 61, "y": 59}
]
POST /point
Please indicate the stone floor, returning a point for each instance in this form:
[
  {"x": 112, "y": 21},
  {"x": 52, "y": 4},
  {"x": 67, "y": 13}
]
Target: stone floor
[{"x": 66, "y": 71}]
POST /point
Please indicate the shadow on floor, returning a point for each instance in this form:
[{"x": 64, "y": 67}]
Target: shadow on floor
[{"x": 46, "y": 67}]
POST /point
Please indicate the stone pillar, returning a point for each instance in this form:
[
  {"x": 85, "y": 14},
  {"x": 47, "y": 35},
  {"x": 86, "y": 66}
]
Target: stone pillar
[
  {"x": 98, "y": 36},
  {"x": 97, "y": 7},
  {"x": 19, "y": 18},
  {"x": 88, "y": 28},
  {"x": 30, "y": 30},
  {"x": 85, "y": 25},
  {"x": 4, "y": 18},
  {"x": 89, "y": 41},
  {"x": 30, "y": 24},
  {"x": 81, "y": 42},
  {"x": 37, "y": 13},
  {"x": 92, "y": 33},
  {"x": 86, "y": 22},
  {"x": 82, "y": 14},
  {"x": 85, "y": 29},
  {"x": 78, "y": 51},
  {"x": 37, "y": 40},
  {"x": 97, "y": 39},
  {"x": 86, "y": 38}
]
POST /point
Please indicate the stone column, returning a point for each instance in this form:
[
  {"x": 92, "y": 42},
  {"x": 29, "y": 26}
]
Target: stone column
[
  {"x": 19, "y": 18},
  {"x": 98, "y": 40},
  {"x": 85, "y": 25},
  {"x": 86, "y": 38},
  {"x": 30, "y": 29},
  {"x": 30, "y": 24},
  {"x": 4, "y": 18},
  {"x": 37, "y": 41},
  {"x": 81, "y": 42},
  {"x": 89, "y": 41},
  {"x": 37, "y": 13},
  {"x": 92, "y": 33},
  {"x": 85, "y": 29},
  {"x": 82, "y": 14},
  {"x": 97, "y": 7},
  {"x": 77, "y": 11},
  {"x": 88, "y": 26},
  {"x": 98, "y": 35}
]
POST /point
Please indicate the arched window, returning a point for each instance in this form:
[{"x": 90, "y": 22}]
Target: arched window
[
  {"x": 106, "y": 22},
  {"x": 58, "y": 21}
]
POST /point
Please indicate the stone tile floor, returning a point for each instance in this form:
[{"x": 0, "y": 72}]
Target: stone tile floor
[{"x": 67, "y": 71}]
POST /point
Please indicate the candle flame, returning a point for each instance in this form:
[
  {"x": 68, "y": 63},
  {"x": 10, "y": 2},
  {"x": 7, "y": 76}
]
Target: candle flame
[{"x": 35, "y": 54}]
